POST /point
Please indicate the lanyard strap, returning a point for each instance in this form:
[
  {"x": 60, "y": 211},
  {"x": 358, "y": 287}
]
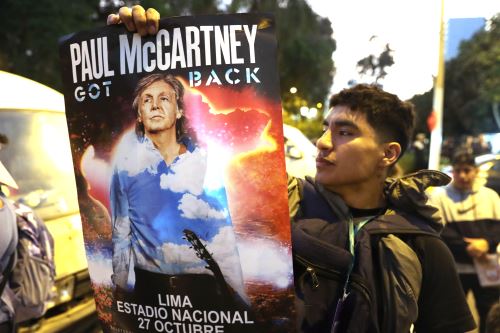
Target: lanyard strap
[{"x": 353, "y": 230}]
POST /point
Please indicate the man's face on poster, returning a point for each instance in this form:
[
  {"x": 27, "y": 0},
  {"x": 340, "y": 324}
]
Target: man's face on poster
[{"x": 158, "y": 109}]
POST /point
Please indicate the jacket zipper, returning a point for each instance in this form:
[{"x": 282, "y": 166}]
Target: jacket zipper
[{"x": 315, "y": 270}]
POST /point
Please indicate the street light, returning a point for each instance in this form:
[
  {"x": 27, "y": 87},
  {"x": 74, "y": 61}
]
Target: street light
[
  {"x": 304, "y": 111},
  {"x": 293, "y": 90},
  {"x": 313, "y": 112}
]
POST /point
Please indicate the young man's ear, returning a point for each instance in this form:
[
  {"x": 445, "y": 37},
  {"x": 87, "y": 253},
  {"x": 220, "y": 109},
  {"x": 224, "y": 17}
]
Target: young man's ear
[{"x": 392, "y": 151}]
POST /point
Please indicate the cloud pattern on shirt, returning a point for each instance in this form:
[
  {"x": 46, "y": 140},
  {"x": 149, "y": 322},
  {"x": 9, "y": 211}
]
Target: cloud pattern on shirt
[
  {"x": 188, "y": 173},
  {"x": 194, "y": 208},
  {"x": 141, "y": 159}
]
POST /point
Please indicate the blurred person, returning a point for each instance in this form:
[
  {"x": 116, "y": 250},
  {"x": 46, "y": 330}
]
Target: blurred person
[
  {"x": 466, "y": 145},
  {"x": 480, "y": 146},
  {"x": 471, "y": 214},
  {"x": 420, "y": 151},
  {"x": 449, "y": 146},
  {"x": 367, "y": 131},
  {"x": 8, "y": 242}
]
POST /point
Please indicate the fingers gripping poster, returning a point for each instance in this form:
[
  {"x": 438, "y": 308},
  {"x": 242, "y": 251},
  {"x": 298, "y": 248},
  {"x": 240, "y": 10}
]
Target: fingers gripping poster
[{"x": 177, "y": 145}]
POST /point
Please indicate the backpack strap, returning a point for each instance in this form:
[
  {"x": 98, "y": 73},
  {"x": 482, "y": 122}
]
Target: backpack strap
[
  {"x": 401, "y": 281},
  {"x": 400, "y": 268},
  {"x": 398, "y": 223},
  {"x": 7, "y": 272}
]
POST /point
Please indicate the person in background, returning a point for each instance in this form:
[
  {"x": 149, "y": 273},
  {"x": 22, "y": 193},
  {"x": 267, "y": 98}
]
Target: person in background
[
  {"x": 471, "y": 213},
  {"x": 480, "y": 146},
  {"x": 420, "y": 151},
  {"x": 8, "y": 243}
]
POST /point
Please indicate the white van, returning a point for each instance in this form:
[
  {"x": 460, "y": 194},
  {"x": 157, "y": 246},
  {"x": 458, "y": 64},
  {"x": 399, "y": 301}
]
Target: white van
[
  {"x": 300, "y": 153},
  {"x": 38, "y": 157}
]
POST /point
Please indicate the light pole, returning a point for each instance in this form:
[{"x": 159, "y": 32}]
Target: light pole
[{"x": 437, "y": 104}]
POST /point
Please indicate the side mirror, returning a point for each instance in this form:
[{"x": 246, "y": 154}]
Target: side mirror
[{"x": 293, "y": 152}]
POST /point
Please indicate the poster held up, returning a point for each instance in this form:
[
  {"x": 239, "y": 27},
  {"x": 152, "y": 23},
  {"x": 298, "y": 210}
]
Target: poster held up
[{"x": 177, "y": 144}]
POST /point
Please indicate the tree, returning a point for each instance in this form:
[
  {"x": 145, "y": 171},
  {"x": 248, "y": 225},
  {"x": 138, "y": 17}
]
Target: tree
[
  {"x": 29, "y": 30},
  {"x": 472, "y": 86},
  {"x": 376, "y": 64},
  {"x": 472, "y": 82},
  {"x": 423, "y": 107},
  {"x": 305, "y": 47},
  {"x": 29, "y": 45}
]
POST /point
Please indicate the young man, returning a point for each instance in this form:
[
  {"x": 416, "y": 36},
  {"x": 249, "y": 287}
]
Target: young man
[
  {"x": 471, "y": 213},
  {"x": 160, "y": 200},
  {"x": 367, "y": 132}
]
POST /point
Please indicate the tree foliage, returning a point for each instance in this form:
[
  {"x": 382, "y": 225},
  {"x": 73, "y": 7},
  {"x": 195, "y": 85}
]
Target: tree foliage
[
  {"x": 376, "y": 64},
  {"x": 472, "y": 86},
  {"x": 29, "y": 31},
  {"x": 423, "y": 107},
  {"x": 305, "y": 47},
  {"x": 473, "y": 82}
]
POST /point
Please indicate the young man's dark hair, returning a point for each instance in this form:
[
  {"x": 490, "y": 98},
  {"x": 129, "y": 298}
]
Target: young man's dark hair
[
  {"x": 180, "y": 125},
  {"x": 392, "y": 118},
  {"x": 464, "y": 158}
]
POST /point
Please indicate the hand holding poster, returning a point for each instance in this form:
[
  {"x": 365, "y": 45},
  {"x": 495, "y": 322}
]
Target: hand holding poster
[{"x": 177, "y": 146}]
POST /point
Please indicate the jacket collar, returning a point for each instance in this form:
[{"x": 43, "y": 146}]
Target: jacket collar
[{"x": 406, "y": 194}]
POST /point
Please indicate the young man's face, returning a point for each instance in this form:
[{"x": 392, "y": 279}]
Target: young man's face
[
  {"x": 349, "y": 153},
  {"x": 158, "y": 107},
  {"x": 464, "y": 176}
]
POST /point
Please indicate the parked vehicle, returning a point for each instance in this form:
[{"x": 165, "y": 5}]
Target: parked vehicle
[
  {"x": 489, "y": 170},
  {"x": 300, "y": 153},
  {"x": 38, "y": 157}
]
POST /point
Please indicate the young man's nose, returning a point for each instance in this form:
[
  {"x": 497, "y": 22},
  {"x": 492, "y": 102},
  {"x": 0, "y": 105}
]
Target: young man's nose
[{"x": 325, "y": 141}]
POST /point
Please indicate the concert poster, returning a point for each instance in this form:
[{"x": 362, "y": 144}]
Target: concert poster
[{"x": 177, "y": 144}]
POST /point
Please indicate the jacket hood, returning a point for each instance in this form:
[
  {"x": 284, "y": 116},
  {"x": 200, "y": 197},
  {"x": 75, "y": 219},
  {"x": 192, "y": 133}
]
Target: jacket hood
[{"x": 408, "y": 194}]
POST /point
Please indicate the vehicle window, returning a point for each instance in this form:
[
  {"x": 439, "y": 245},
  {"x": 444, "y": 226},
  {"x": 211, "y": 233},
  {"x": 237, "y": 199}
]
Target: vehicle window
[{"x": 38, "y": 157}]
